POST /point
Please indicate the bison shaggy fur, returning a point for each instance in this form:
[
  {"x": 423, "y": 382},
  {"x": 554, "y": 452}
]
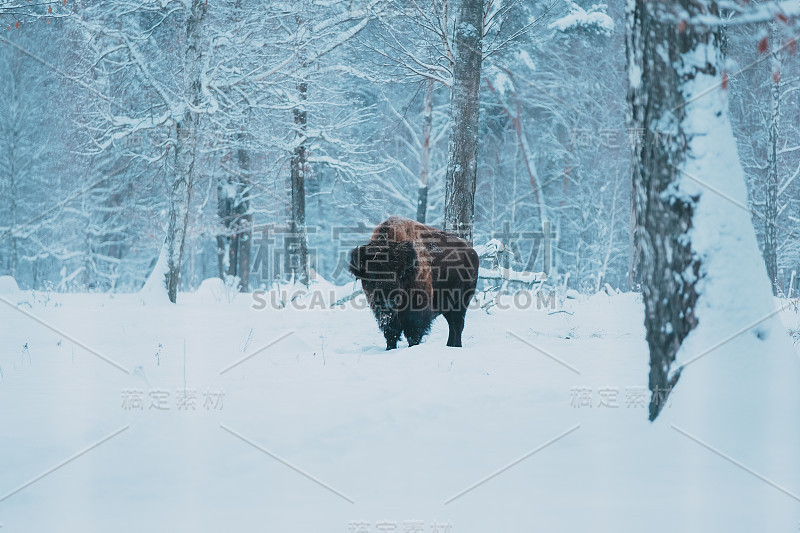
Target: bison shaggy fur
[{"x": 411, "y": 273}]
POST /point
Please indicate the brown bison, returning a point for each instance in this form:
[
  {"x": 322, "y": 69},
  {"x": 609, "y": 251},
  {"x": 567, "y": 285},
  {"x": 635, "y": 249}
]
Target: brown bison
[{"x": 411, "y": 273}]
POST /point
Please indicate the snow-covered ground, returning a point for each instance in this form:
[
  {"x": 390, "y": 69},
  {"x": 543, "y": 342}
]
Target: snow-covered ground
[{"x": 324, "y": 431}]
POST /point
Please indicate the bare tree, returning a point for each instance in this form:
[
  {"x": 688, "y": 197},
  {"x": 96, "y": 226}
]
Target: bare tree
[
  {"x": 233, "y": 209},
  {"x": 298, "y": 167},
  {"x": 314, "y": 35},
  {"x": 771, "y": 186},
  {"x": 425, "y": 157},
  {"x": 462, "y": 162},
  {"x": 186, "y": 146}
]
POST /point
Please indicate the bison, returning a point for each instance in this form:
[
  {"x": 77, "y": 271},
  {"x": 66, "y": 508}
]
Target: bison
[{"x": 412, "y": 273}]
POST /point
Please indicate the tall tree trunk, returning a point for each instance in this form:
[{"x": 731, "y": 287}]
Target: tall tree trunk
[
  {"x": 233, "y": 208},
  {"x": 425, "y": 157},
  {"x": 669, "y": 267},
  {"x": 299, "y": 245},
  {"x": 771, "y": 186},
  {"x": 702, "y": 274},
  {"x": 179, "y": 200},
  {"x": 462, "y": 161},
  {"x": 186, "y": 132}
]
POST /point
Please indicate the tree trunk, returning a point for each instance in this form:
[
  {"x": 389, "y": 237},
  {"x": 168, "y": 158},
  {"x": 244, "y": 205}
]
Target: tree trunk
[
  {"x": 425, "y": 158},
  {"x": 771, "y": 186},
  {"x": 179, "y": 200},
  {"x": 244, "y": 233},
  {"x": 702, "y": 274},
  {"x": 462, "y": 161},
  {"x": 299, "y": 245},
  {"x": 669, "y": 267},
  {"x": 634, "y": 269},
  {"x": 186, "y": 132},
  {"x": 233, "y": 209}
]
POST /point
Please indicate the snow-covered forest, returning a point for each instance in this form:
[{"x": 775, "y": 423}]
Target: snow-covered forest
[
  {"x": 125, "y": 122},
  {"x": 122, "y": 119},
  {"x": 182, "y": 183}
]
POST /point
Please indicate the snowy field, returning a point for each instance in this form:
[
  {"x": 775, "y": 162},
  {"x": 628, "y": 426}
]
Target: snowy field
[{"x": 193, "y": 418}]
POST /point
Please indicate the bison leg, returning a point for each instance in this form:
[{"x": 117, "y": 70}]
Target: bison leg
[
  {"x": 414, "y": 334},
  {"x": 455, "y": 320},
  {"x": 416, "y": 324},
  {"x": 392, "y": 329}
]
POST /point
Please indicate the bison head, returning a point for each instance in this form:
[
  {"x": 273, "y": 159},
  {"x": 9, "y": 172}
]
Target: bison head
[{"x": 388, "y": 262}]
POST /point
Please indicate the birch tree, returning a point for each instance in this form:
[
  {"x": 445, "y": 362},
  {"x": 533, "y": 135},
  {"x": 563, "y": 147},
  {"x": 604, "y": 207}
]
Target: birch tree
[
  {"x": 425, "y": 156},
  {"x": 462, "y": 162},
  {"x": 186, "y": 144}
]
